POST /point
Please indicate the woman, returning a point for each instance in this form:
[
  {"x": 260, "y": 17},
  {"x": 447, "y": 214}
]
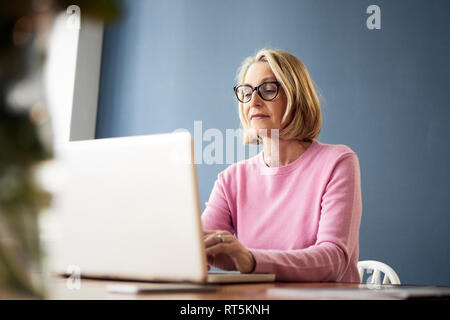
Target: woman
[{"x": 294, "y": 211}]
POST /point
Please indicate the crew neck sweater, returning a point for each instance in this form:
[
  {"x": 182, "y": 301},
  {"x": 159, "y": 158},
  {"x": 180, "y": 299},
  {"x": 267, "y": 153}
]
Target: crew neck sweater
[{"x": 300, "y": 221}]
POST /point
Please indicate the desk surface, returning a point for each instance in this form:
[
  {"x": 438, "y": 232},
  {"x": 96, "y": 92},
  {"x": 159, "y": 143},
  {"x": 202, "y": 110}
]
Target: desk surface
[{"x": 97, "y": 289}]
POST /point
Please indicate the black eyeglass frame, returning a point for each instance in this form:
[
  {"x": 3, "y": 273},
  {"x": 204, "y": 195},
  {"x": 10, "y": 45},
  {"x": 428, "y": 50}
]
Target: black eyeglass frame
[{"x": 258, "y": 90}]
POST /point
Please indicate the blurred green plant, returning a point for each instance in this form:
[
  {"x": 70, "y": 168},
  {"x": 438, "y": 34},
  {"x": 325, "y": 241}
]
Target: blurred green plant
[{"x": 21, "y": 145}]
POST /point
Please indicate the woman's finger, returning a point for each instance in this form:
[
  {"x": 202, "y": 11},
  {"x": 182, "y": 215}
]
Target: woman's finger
[
  {"x": 208, "y": 232},
  {"x": 219, "y": 248},
  {"x": 212, "y": 240},
  {"x": 216, "y": 238}
]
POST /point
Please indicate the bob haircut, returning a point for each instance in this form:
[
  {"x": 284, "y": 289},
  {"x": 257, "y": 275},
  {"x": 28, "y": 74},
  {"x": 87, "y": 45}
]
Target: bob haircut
[{"x": 302, "y": 98}]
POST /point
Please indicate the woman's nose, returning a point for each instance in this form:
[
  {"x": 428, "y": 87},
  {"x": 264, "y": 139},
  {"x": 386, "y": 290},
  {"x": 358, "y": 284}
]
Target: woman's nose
[{"x": 256, "y": 99}]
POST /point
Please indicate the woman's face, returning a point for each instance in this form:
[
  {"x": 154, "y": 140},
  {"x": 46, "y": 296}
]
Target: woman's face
[{"x": 273, "y": 110}]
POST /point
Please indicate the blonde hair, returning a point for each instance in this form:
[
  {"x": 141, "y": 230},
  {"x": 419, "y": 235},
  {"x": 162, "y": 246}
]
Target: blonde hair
[{"x": 301, "y": 96}]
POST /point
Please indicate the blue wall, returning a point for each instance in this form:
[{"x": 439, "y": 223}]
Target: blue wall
[{"x": 385, "y": 93}]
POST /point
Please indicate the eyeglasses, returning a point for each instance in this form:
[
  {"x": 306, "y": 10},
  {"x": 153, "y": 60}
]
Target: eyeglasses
[{"x": 267, "y": 91}]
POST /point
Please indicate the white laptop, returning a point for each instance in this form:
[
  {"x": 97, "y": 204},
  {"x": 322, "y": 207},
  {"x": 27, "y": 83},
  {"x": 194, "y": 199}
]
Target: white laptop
[{"x": 129, "y": 209}]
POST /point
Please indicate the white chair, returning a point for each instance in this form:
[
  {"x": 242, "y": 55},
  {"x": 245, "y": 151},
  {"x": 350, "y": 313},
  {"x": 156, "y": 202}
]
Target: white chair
[{"x": 390, "y": 277}]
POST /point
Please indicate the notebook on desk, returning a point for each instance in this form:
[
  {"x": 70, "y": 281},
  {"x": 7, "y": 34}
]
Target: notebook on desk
[
  {"x": 129, "y": 208},
  {"x": 363, "y": 292}
]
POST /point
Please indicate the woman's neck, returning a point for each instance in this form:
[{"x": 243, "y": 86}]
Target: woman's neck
[{"x": 280, "y": 152}]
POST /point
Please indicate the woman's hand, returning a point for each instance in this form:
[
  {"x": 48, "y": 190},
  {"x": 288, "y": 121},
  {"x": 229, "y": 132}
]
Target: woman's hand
[{"x": 225, "y": 252}]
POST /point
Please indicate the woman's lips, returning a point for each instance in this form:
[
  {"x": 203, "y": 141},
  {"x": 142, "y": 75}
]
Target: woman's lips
[{"x": 258, "y": 117}]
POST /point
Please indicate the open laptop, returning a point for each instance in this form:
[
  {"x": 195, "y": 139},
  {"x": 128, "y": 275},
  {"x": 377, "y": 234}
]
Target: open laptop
[{"x": 129, "y": 209}]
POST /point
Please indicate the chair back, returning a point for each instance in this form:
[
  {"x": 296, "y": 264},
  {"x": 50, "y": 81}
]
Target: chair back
[{"x": 390, "y": 276}]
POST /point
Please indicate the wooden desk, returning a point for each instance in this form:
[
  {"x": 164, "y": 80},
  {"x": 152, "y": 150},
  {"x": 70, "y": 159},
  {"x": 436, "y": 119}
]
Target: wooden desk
[{"x": 96, "y": 289}]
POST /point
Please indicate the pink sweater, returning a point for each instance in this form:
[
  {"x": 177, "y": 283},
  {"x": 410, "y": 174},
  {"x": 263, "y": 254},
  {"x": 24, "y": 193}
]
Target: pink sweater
[{"x": 300, "y": 221}]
